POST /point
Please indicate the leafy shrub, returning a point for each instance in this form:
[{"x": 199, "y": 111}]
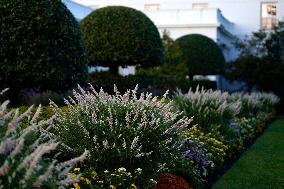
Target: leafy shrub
[
  {"x": 210, "y": 109},
  {"x": 201, "y": 54},
  {"x": 166, "y": 77},
  {"x": 171, "y": 49},
  {"x": 24, "y": 149},
  {"x": 41, "y": 46},
  {"x": 117, "y": 35},
  {"x": 120, "y": 130}
]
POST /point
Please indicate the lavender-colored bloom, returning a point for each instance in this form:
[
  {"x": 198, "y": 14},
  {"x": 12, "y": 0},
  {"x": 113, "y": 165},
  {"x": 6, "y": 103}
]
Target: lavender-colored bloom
[
  {"x": 194, "y": 153},
  {"x": 28, "y": 159}
]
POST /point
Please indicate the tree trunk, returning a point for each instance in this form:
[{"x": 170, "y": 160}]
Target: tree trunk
[
  {"x": 190, "y": 77},
  {"x": 113, "y": 70}
]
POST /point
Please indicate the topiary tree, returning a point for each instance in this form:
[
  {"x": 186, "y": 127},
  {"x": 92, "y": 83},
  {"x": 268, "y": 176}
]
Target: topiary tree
[
  {"x": 202, "y": 55},
  {"x": 119, "y": 36},
  {"x": 41, "y": 46}
]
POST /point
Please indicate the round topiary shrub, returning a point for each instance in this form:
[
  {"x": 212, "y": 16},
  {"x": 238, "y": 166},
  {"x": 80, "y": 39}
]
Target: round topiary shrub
[
  {"x": 118, "y": 36},
  {"x": 202, "y": 55},
  {"x": 41, "y": 46}
]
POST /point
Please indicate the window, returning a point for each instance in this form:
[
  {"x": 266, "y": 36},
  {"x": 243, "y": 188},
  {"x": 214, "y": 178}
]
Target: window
[
  {"x": 152, "y": 7},
  {"x": 268, "y": 15},
  {"x": 199, "y": 5}
]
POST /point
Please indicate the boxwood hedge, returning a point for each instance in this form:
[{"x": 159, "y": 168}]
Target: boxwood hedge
[
  {"x": 41, "y": 46},
  {"x": 118, "y": 35},
  {"x": 202, "y": 55}
]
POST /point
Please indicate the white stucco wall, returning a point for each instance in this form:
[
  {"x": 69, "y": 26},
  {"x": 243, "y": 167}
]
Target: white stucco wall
[
  {"x": 244, "y": 13},
  {"x": 178, "y": 32}
]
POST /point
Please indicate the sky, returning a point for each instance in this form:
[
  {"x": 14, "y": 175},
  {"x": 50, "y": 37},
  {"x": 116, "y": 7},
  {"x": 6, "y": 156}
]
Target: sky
[{"x": 85, "y": 2}]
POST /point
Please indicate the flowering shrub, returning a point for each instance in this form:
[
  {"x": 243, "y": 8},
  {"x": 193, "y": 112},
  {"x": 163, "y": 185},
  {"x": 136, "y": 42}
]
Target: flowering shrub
[
  {"x": 119, "y": 178},
  {"x": 209, "y": 108},
  {"x": 120, "y": 130},
  {"x": 24, "y": 152}
]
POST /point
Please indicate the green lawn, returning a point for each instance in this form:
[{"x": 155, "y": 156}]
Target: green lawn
[{"x": 262, "y": 166}]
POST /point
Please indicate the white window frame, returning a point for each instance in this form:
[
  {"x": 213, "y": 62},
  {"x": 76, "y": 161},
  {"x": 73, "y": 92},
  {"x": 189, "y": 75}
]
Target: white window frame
[
  {"x": 152, "y": 7},
  {"x": 200, "y": 5}
]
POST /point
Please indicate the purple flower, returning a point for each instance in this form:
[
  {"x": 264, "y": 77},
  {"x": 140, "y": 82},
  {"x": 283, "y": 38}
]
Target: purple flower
[{"x": 194, "y": 153}]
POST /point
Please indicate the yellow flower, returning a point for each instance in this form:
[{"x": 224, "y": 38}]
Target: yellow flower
[
  {"x": 76, "y": 185},
  {"x": 94, "y": 173},
  {"x": 87, "y": 181},
  {"x": 132, "y": 186},
  {"x": 77, "y": 169},
  {"x": 112, "y": 187},
  {"x": 72, "y": 175}
]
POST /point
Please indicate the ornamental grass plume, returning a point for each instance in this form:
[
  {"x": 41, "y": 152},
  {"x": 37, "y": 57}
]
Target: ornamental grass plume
[
  {"x": 25, "y": 152},
  {"x": 255, "y": 103},
  {"x": 120, "y": 130},
  {"x": 209, "y": 108}
]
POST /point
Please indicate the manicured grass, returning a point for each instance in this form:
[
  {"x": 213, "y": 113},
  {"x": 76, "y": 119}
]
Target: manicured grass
[{"x": 262, "y": 166}]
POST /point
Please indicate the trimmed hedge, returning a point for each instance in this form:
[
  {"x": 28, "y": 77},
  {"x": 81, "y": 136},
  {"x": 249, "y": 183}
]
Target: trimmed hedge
[
  {"x": 41, "y": 46},
  {"x": 202, "y": 55},
  {"x": 118, "y": 36}
]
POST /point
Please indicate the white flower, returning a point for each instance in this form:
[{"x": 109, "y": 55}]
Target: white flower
[{"x": 121, "y": 169}]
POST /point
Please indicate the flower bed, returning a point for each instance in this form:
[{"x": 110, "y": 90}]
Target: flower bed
[{"x": 132, "y": 140}]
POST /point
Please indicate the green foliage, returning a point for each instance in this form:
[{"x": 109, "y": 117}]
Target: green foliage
[
  {"x": 45, "y": 112},
  {"x": 120, "y": 130},
  {"x": 166, "y": 77},
  {"x": 122, "y": 36},
  {"x": 201, "y": 54},
  {"x": 171, "y": 49},
  {"x": 243, "y": 69},
  {"x": 41, "y": 46},
  {"x": 264, "y": 44}
]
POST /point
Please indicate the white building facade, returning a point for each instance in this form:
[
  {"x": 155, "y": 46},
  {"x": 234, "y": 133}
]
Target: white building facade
[{"x": 224, "y": 21}]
